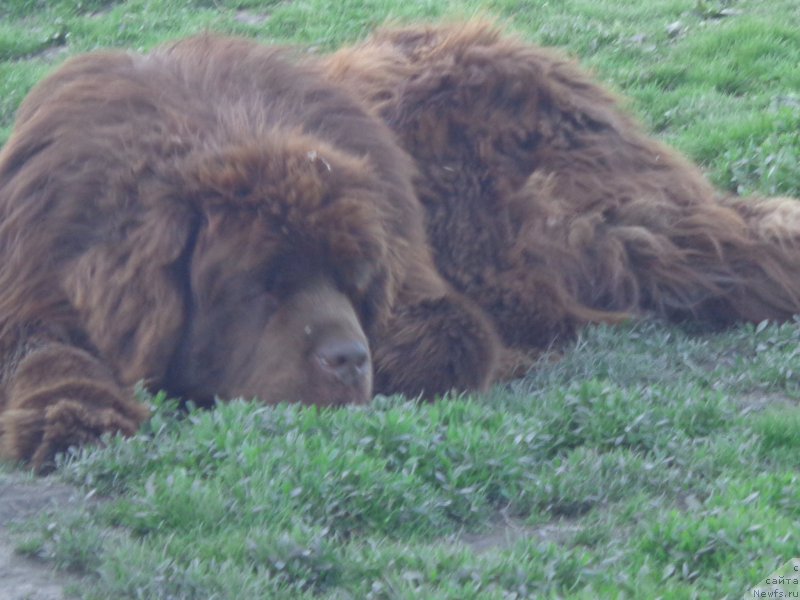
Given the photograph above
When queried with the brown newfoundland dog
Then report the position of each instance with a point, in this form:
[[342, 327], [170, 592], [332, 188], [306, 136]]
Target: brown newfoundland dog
[[220, 218]]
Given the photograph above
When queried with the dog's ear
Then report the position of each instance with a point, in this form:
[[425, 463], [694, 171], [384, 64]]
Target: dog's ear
[[131, 293]]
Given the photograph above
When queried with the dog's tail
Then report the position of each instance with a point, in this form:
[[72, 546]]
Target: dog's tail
[[718, 261], [769, 265]]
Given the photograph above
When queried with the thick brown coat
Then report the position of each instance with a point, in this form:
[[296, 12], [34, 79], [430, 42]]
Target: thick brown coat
[[549, 206], [222, 218]]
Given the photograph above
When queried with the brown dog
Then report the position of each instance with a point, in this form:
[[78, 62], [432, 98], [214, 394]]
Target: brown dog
[[217, 219]]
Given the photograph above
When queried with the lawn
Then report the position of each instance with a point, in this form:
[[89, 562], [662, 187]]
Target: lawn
[[648, 461]]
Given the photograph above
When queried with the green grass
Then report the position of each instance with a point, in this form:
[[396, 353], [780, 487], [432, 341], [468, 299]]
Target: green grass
[[647, 462]]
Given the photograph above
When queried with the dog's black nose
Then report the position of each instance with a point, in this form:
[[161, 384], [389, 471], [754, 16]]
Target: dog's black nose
[[346, 360]]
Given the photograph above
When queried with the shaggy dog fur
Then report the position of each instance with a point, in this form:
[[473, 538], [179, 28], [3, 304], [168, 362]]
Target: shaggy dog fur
[[219, 218], [213, 219], [550, 207]]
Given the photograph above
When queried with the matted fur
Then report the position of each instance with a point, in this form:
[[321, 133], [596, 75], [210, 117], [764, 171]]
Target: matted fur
[[216, 216], [549, 206], [214, 219]]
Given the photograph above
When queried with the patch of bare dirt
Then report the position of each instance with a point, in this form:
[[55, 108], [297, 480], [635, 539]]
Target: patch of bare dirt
[[505, 532], [22, 498], [757, 402], [251, 18]]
